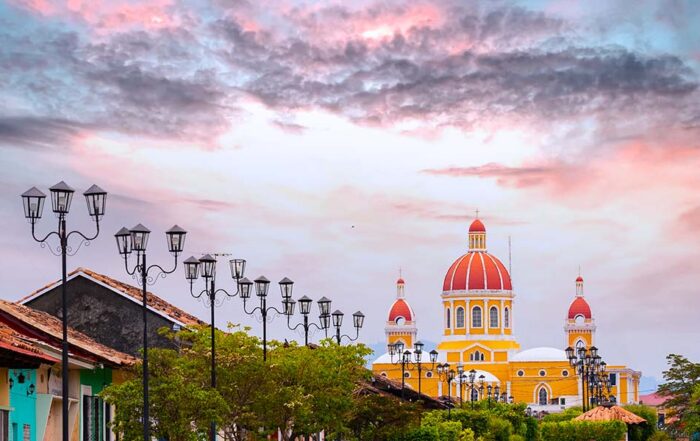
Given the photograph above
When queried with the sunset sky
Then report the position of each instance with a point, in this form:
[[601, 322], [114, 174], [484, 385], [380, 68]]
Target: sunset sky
[[336, 142]]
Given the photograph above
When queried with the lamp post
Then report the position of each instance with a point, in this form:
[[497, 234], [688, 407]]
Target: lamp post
[[61, 197], [460, 378], [591, 369], [262, 285], [208, 266], [447, 375], [405, 360], [489, 388], [136, 240], [481, 386], [358, 319], [472, 377], [305, 309]]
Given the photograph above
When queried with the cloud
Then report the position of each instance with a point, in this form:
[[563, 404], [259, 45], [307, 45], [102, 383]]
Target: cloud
[[526, 176], [37, 133]]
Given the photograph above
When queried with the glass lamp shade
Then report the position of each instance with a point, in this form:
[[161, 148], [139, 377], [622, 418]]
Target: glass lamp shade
[[33, 201], [286, 286], [603, 366], [244, 286], [61, 197], [472, 376], [305, 305], [325, 320], [358, 319], [289, 306], [399, 347], [481, 379], [96, 199], [139, 237], [176, 239], [391, 349], [324, 306], [417, 356], [208, 266], [460, 368], [451, 374], [261, 286], [338, 318], [191, 268], [569, 352], [440, 369], [594, 351], [406, 356], [123, 237], [581, 352], [433, 356], [418, 346], [237, 268], [497, 391]]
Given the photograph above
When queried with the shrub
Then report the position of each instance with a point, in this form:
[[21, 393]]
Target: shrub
[[583, 431], [515, 437], [568, 415], [660, 435], [642, 432], [498, 429]]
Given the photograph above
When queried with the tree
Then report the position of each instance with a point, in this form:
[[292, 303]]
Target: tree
[[379, 417], [644, 431], [181, 405], [681, 380]]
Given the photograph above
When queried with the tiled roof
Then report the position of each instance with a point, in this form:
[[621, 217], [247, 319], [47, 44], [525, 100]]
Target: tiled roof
[[14, 341], [154, 302], [612, 413], [653, 399], [48, 325]]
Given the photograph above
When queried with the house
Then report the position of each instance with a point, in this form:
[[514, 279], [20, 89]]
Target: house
[[31, 384], [110, 311]]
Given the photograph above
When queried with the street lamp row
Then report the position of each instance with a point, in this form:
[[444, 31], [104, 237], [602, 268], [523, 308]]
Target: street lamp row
[[595, 381], [405, 360], [448, 375]]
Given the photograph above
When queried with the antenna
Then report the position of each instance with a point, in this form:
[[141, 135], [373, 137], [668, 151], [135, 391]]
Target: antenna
[[510, 269]]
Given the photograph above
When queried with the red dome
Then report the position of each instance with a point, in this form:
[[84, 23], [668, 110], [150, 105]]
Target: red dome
[[579, 279], [477, 227], [400, 308], [477, 270], [580, 307], [400, 281]]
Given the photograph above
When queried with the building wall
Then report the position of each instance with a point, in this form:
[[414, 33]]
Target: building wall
[[104, 315], [23, 404]]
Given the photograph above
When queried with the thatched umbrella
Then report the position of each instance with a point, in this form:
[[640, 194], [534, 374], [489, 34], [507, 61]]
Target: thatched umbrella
[[611, 413]]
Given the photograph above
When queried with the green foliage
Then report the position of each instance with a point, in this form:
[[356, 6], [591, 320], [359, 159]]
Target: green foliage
[[379, 417], [568, 415], [583, 431], [516, 437], [642, 432], [660, 435], [681, 380], [498, 429]]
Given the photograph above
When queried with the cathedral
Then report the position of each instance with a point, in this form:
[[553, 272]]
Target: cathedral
[[478, 316]]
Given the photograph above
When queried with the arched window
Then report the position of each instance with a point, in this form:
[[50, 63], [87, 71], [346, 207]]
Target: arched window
[[449, 322], [542, 396], [476, 317], [475, 394], [459, 317], [506, 317], [476, 356], [493, 317], [580, 344]]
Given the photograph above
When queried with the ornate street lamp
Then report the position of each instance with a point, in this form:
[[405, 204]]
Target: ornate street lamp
[[405, 360], [61, 197], [590, 367], [305, 309], [447, 375], [135, 241], [472, 377], [208, 267], [262, 285], [358, 319]]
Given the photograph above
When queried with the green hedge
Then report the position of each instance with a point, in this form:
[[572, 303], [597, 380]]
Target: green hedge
[[583, 431], [644, 431]]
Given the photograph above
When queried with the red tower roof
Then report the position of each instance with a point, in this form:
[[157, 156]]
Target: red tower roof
[[400, 281], [579, 279], [579, 307], [477, 227], [477, 270], [401, 308]]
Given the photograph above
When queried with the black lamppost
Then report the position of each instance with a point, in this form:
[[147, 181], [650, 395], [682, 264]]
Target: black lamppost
[[489, 388], [136, 239], [324, 305], [447, 375], [262, 285], [471, 377], [481, 386], [358, 319], [61, 196], [591, 369], [208, 264], [460, 378], [405, 360]]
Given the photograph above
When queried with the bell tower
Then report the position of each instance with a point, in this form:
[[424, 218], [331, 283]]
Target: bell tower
[[401, 324], [579, 324]]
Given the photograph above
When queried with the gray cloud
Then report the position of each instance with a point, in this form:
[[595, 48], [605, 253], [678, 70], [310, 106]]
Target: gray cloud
[[37, 133]]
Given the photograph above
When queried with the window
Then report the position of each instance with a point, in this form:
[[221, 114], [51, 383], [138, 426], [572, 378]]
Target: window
[[564, 373], [4, 425], [542, 396], [26, 432], [383, 374], [475, 394], [92, 418], [521, 373], [449, 325], [400, 321], [580, 344], [543, 373], [429, 374], [476, 356], [506, 317], [476, 317], [407, 375], [613, 380], [459, 317], [493, 317]]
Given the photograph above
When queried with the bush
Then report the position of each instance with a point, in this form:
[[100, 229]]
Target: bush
[[568, 415], [498, 429], [516, 438], [644, 431], [583, 431], [660, 435]]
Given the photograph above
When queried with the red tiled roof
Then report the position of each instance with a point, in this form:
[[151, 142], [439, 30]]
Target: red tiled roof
[[579, 307], [400, 308], [477, 270], [653, 399], [613, 413], [13, 341], [477, 227], [154, 302], [50, 327]]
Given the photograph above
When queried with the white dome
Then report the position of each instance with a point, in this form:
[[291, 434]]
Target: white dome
[[540, 354]]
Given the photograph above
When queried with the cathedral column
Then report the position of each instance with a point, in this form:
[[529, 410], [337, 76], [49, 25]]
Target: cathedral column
[[453, 317], [467, 316], [501, 313]]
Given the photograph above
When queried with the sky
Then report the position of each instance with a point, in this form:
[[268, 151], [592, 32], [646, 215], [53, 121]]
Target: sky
[[338, 142]]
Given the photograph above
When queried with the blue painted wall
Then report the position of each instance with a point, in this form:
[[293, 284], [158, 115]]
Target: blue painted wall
[[23, 404]]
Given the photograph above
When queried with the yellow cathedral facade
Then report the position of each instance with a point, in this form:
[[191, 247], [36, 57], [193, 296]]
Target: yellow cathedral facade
[[478, 312]]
